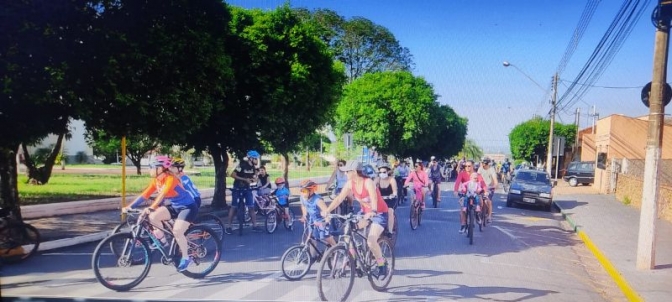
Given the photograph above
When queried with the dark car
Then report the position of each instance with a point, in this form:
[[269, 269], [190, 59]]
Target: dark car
[[531, 187], [580, 172]]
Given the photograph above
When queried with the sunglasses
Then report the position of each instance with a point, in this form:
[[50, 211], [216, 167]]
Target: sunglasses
[[305, 191], [340, 165], [469, 166]]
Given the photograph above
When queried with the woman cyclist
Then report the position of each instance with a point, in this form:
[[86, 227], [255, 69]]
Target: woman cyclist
[[420, 182], [363, 189], [388, 189], [182, 207]]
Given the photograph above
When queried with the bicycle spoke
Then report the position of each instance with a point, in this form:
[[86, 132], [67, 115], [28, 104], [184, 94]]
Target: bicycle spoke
[[121, 262]]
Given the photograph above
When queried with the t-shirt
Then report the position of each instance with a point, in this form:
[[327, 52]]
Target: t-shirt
[[283, 196], [489, 175], [506, 167], [313, 211], [243, 170]]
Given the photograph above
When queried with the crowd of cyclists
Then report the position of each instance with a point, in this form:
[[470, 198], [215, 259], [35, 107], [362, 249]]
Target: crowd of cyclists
[[375, 191]]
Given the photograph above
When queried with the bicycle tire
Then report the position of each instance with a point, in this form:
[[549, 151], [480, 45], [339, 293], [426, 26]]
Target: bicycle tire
[[240, 214], [414, 219], [300, 255], [102, 258], [470, 226], [388, 253], [420, 210], [435, 195], [202, 241], [213, 222], [23, 242], [342, 266], [271, 222], [289, 222]]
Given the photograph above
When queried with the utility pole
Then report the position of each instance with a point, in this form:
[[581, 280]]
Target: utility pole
[[646, 244], [577, 122], [549, 154]]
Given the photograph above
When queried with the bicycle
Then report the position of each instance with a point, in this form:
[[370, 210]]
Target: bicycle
[[435, 193], [416, 210], [471, 215], [277, 214], [350, 256], [506, 182], [122, 260], [261, 202], [403, 192], [18, 240], [297, 260], [243, 213], [395, 226]]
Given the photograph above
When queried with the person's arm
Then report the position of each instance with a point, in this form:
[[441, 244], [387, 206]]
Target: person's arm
[[458, 182], [373, 194], [144, 196], [409, 178], [341, 196], [167, 187], [234, 175], [496, 181], [332, 178], [322, 205], [304, 212], [394, 187]]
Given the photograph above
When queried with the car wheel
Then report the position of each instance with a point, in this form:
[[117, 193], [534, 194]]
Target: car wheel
[[549, 207], [509, 203], [585, 183], [573, 182]]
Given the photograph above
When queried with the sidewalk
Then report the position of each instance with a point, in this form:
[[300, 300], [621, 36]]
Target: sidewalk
[[613, 229]]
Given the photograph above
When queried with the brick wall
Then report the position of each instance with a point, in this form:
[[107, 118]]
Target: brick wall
[[629, 188]]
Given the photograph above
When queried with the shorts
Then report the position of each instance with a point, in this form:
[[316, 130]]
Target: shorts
[[465, 202], [380, 219], [320, 230], [391, 202], [242, 193], [198, 201], [187, 213]]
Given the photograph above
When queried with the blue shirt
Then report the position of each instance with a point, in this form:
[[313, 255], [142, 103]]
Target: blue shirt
[[283, 195], [506, 167], [314, 212], [189, 186]]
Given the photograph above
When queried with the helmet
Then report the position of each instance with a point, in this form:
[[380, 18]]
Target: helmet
[[253, 154], [160, 161], [368, 171], [309, 184], [486, 160], [279, 180], [386, 166], [506, 160], [178, 162]]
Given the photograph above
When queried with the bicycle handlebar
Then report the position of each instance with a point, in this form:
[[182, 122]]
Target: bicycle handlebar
[[351, 216]]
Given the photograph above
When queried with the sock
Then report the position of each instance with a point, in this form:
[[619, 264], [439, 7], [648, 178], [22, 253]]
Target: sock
[[381, 261]]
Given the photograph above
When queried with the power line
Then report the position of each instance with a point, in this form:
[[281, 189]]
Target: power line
[[608, 87]]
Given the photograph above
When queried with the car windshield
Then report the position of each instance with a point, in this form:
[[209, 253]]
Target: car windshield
[[532, 177]]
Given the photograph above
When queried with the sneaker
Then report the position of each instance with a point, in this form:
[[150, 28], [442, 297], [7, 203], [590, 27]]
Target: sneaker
[[382, 271], [257, 229], [478, 218], [228, 231], [184, 263], [463, 229], [489, 220]]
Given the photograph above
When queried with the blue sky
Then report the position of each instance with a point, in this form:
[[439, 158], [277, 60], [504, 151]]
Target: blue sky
[[459, 47]]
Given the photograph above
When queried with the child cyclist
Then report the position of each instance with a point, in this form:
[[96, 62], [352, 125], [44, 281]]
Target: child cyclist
[[473, 189], [282, 193], [312, 206], [179, 164], [182, 208]]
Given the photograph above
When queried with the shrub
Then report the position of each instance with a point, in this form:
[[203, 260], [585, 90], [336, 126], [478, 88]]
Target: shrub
[[81, 157]]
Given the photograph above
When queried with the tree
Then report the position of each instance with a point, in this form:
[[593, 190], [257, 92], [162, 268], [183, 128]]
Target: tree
[[471, 150], [530, 138], [136, 146], [451, 131]]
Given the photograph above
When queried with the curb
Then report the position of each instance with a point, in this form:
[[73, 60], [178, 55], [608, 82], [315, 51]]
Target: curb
[[615, 275]]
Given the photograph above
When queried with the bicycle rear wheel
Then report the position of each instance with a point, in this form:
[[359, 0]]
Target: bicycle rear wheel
[[205, 250], [271, 221], [415, 218], [296, 262], [388, 253], [124, 269], [435, 194], [336, 274], [19, 242], [213, 222], [470, 225]]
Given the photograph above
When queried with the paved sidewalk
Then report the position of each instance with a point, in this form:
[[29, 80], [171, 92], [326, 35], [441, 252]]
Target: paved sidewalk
[[614, 229]]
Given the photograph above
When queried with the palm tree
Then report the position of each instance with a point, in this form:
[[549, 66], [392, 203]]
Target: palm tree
[[471, 150]]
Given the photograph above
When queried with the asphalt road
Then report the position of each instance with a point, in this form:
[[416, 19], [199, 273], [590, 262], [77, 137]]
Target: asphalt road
[[526, 254]]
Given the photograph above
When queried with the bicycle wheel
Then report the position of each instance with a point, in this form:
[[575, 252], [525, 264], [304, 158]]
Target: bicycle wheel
[[205, 250], [414, 215], [420, 210], [213, 222], [241, 213], [435, 194], [20, 241], [127, 269], [388, 253], [470, 225], [296, 262], [271, 221], [289, 220], [335, 283]]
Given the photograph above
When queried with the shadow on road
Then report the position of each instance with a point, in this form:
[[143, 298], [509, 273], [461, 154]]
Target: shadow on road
[[415, 292]]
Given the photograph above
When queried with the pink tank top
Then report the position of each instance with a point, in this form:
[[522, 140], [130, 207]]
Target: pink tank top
[[365, 201]]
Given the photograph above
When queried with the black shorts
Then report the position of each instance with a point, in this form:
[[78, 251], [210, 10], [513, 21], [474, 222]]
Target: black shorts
[[187, 213]]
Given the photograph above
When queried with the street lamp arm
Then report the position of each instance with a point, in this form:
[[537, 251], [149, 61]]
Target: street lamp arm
[[507, 64]]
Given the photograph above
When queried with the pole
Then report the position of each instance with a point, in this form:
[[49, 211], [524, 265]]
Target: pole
[[549, 156], [576, 137], [123, 176], [646, 243], [557, 156]]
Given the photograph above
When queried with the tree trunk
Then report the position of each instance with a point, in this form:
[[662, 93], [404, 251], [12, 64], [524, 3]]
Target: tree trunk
[[221, 160], [42, 174], [9, 190], [285, 169], [307, 160]]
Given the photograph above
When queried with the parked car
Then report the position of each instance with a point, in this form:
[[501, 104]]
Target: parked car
[[580, 172], [532, 187]]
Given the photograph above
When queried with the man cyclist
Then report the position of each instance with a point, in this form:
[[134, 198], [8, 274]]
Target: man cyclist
[[490, 178], [182, 206], [435, 178], [505, 170], [244, 175], [400, 174], [463, 177]]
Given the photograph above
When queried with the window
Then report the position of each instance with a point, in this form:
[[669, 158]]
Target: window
[[602, 160]]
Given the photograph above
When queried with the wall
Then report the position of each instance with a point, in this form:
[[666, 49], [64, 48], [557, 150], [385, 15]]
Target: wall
[[629, 190]]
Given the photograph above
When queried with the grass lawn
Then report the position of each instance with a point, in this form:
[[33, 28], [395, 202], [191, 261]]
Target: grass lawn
[[92, 184]]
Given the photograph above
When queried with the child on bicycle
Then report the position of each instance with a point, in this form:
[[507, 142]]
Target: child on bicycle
[[312, 206], [179, 164], [182, 207], [282, 193], [473, 189]]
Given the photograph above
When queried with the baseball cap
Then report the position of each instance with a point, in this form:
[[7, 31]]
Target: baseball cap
[[351, 165]]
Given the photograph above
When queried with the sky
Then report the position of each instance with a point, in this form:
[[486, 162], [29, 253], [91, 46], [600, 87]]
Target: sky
[[459, 46]]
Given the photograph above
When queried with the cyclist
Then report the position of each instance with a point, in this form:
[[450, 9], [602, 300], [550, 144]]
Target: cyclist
[[461, 164], [182, 206], [463, 177], [388, 189], [243, 176], [361, 186], [340, 178], [472, 188], [400, 174], [505, 170], [179, 164], [282, 193], [435, 177], [420, 182], [264, 184], [312, 207], [490, 177]]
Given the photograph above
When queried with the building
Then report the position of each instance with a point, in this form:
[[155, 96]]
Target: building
[[74, 148]]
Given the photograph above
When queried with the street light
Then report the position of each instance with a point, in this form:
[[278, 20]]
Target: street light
[[549, 155]]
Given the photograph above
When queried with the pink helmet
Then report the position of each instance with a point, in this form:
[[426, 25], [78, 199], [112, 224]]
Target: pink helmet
[[161, 161]]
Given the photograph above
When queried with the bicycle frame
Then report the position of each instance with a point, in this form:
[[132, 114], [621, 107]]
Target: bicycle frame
[[142, 227], [352, 238]]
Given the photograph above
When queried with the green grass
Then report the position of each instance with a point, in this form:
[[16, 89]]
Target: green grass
[[626, 200], [70, 187]]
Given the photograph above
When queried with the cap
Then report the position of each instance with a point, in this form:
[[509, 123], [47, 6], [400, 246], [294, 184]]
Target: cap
[[351, 165]]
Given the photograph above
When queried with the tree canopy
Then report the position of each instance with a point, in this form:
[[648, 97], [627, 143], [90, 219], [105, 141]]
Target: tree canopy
[[530, 138]]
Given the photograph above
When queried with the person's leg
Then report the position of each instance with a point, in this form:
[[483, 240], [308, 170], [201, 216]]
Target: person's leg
[[156, 218], [235, 199], [249, 203], [184, 218], [390, 222]]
